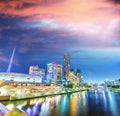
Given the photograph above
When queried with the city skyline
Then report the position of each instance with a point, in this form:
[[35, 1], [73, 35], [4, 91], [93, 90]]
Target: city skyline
[[42, 31]]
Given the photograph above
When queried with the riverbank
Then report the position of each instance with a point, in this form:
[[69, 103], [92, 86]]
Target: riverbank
[[115, 90], [37, 95]]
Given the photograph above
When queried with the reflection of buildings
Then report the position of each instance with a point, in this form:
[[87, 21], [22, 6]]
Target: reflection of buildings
[[54, 71], [35, 70], [66, 64], [74, 105]]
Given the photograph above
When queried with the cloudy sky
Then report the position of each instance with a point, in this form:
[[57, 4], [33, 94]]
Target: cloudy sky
[[43, 30]]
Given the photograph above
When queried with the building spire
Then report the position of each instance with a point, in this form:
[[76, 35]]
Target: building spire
[[11, 60]]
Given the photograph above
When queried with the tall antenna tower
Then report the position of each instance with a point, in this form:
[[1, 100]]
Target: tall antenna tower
[[11, 60]]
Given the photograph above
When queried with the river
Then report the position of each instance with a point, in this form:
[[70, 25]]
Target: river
[[76, 104]]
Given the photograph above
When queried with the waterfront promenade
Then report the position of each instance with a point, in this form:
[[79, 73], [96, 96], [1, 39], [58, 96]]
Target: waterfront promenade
[[37, 95], [6, 112]]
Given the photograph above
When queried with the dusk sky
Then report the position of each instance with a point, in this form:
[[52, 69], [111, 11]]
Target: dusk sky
[[43, 30]]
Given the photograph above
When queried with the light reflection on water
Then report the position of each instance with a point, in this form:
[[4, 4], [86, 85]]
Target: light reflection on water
[[95, 103], [113, 105]]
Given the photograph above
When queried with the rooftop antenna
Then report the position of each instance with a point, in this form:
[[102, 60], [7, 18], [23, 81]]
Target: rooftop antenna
[[11, 60]]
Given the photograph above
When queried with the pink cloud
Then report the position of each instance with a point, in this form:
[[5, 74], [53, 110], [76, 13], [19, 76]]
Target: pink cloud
[[96, 21]]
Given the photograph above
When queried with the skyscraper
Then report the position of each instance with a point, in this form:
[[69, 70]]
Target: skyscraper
[[78, 73], [73, 78], [59, 72], [54, 71], [66, 64]]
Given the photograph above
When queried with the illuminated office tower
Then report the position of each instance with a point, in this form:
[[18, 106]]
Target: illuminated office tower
[[54, 71], [59, 72], [66, 64], [35, 70], [73, 78], [78, 74]]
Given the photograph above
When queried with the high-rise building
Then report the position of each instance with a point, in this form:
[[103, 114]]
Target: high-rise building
[[73, 78], [66, 64], [54, 71], [59, 72], [35, 70], [78, 73]]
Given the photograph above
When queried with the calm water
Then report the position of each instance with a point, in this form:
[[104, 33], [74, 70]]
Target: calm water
[[76, 104]]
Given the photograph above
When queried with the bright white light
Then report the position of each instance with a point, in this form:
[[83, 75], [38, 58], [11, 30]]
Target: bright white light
[[10, 106]]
